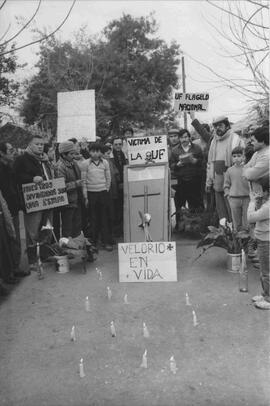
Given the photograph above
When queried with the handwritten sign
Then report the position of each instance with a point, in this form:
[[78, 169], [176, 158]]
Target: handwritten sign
[[191, 101], [45, 195], [147, 149], [76, 115], [147, 262]]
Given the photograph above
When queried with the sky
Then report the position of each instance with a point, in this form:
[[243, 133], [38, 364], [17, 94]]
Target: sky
[[186, 21]]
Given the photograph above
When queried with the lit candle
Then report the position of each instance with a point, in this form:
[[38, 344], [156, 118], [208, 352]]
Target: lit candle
[[173, 368], [144, 360], [82, 374], [109, 293], [187, 300], [145, 331], [113, 331], [87, 304], [72, 334], [195, 321]]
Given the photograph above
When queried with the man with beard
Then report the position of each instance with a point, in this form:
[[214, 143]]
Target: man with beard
[[33, 167], [219, 160]]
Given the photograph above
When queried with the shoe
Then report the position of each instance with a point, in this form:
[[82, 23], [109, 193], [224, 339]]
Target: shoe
[[108, 247], [264, 305], [257, 298], [11, 280], [21, 274]]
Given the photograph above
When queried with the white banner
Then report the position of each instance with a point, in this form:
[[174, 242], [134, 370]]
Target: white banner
[[76, 115], [191, 102], [152, 149], [45, 195], [147, 262]]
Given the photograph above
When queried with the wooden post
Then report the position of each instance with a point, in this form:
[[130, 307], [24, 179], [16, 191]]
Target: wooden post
[[184, 88]]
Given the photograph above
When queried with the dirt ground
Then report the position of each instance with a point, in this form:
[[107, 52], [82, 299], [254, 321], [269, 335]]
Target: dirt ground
[[223, 361]]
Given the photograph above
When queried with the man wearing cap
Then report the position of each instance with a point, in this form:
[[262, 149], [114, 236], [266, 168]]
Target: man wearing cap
[[68, 169], [219, 160]]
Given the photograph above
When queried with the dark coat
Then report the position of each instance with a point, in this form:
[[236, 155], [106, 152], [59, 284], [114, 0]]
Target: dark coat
[[120, 161], [9, 188], [26, 167], [189, 170], [71, 173]]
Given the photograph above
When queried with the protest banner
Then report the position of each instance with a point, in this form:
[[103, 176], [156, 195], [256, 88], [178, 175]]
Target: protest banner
[[152, 149], [76, 115], [147, 262], [45, 195], [191, 102]]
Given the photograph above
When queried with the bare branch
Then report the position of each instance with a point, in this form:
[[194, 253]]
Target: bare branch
[[258, 4], [2, 5], [235, 15], [24, 27], [44, 38], [5, 33]]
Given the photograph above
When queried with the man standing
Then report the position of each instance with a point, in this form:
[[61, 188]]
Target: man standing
[[9, 191], [120, 161], [257, 169], [219, 160], [186, 164], [31, 167], [173, 140]]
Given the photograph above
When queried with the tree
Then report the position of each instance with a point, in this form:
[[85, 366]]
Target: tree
[[243, 36], [8, 86], [132, 71]]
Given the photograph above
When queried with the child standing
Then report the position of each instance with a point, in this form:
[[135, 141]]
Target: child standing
[[96, 184], [236, 189], [262, 234]]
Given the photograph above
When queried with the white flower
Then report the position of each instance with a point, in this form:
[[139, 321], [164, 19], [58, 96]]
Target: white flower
[[223, 222], [63, 241]]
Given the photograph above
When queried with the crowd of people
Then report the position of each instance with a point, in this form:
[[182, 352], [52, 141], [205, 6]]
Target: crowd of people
[[219, 162]]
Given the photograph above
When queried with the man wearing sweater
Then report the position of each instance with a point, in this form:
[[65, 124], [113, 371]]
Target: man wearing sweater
[[219, 160], [258, 167], [236, 190], [96, 179]]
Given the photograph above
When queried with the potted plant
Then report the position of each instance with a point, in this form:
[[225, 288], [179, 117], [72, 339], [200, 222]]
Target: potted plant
[[226, 237]]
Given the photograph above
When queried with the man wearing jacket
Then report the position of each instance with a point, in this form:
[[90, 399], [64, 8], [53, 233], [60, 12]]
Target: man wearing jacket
[[186, 164], [31, 167], [219, 160], [68, 169]]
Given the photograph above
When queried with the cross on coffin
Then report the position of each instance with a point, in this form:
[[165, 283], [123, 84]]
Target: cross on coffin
[[145, 196]]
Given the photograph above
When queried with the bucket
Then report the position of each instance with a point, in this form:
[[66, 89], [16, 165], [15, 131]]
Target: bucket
[[233, 262], [62, 264]]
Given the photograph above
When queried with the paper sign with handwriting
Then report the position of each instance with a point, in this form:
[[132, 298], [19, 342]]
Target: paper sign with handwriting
[[149, 149], [45, 195], [147, 262], [191, 101]]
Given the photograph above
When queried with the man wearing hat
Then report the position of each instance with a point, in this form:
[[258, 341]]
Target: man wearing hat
[[68, 169], [219, 160]]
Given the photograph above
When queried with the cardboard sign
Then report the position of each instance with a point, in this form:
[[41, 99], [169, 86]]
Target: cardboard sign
[[45, 195], [152, 149], [191, 101], [147, 262], [76, 115]]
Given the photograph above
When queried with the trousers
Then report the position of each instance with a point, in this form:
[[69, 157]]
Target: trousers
[[263, 253], [32, 224]]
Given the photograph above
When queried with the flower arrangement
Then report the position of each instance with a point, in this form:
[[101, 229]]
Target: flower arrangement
[[225, 237]]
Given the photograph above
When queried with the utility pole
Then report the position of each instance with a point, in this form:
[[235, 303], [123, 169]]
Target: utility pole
[[184, 88]]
